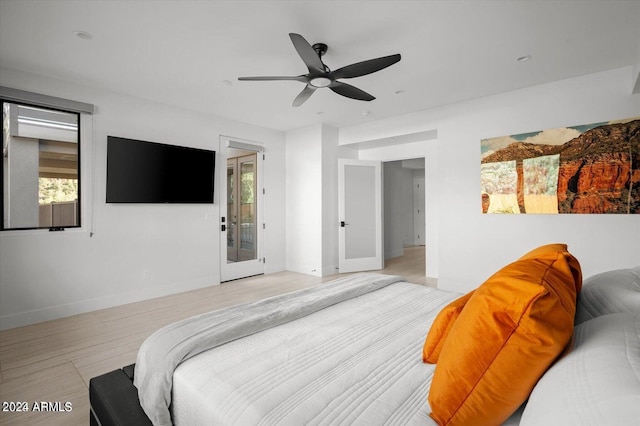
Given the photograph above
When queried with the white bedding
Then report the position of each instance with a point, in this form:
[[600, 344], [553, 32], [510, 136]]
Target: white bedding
[[358, 362], [164, 350], [598, 382]]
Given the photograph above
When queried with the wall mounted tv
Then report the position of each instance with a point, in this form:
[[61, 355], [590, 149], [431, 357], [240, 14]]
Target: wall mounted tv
[[149, 172]]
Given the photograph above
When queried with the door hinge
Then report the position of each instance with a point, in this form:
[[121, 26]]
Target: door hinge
[[263, 157], [263, 191]]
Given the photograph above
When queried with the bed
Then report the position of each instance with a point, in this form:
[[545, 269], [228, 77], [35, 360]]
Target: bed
[[348, 352]]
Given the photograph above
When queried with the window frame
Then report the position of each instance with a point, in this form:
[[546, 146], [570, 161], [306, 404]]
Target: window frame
[[79, 208]]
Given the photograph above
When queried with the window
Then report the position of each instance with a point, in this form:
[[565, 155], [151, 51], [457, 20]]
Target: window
[[40, 167]]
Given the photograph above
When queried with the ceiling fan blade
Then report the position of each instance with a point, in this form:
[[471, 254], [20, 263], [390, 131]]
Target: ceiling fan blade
[[306, 52], [365, 67], [302, 78], [350, 91], [304, 95]]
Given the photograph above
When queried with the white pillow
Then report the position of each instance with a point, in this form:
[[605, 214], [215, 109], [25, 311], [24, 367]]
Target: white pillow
[[608, 293], [597, 383]]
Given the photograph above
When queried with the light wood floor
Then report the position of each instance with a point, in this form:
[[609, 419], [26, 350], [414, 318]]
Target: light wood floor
[[53, 361]]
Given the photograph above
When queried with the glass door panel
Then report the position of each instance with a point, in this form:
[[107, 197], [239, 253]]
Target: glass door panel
[[360, 236], [360, 212], [247, 211], [232, 217], [241, 209]]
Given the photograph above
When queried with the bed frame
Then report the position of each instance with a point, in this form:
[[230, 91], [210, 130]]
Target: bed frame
[[113, 400]]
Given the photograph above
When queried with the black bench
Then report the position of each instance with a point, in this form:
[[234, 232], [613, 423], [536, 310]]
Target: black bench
[[114, 400]]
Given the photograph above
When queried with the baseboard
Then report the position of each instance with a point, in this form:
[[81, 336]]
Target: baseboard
[[330, 270], [432, 282], [89, 305]]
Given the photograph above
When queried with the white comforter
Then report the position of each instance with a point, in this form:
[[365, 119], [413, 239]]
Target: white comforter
[[358, 362], [164, 350]]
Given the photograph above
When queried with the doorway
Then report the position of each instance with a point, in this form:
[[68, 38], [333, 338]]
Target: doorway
[[404, 217], [241, 210], [397, 240]]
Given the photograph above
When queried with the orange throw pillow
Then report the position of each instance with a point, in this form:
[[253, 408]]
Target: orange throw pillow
[[510, 331], [441, 327]]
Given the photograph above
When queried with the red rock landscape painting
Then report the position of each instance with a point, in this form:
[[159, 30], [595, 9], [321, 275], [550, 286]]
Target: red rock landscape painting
[[593, 168]]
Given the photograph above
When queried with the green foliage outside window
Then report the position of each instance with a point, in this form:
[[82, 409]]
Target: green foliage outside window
[[247, 188], [53, 190]]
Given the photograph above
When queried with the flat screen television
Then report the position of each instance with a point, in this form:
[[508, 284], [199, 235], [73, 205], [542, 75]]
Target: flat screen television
[[149, 172]]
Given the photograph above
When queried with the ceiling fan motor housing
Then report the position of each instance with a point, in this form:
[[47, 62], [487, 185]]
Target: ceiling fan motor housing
[[321, 81]]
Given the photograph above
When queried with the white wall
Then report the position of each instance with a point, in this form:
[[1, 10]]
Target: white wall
[[47, 275], [125, 253], [304, 200], [330, 220], [470, 246], [312, 209]]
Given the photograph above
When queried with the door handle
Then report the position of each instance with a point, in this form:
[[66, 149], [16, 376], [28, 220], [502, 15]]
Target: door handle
[[343, 224], [223, 227]]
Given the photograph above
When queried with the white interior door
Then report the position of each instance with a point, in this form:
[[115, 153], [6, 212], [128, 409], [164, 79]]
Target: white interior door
[[360, 213], [241, 210], [419, 217]]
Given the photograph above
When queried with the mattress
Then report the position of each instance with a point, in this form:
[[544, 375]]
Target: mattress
[[356, 362]]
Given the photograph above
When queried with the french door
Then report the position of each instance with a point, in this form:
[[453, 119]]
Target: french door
[[241, 212], [360, 213]]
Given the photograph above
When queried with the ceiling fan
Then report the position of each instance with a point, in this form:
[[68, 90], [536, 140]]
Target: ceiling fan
[[321, 76]]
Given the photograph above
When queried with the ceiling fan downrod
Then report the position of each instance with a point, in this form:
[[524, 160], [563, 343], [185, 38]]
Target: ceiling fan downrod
[[320, 49]]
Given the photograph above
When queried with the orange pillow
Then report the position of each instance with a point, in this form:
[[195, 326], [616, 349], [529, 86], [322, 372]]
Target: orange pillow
[[510, 331], [441, 327]]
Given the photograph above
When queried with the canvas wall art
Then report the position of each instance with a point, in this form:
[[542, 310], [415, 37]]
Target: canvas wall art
[[593, 168]]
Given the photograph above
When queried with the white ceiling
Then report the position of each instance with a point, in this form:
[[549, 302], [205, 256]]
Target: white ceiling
[[182, 52]]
